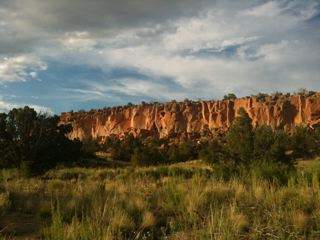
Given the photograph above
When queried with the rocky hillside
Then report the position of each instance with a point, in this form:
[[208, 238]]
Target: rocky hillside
[[186, 117]]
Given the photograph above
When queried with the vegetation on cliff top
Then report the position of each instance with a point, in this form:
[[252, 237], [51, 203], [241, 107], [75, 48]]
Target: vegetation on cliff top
[[262, 97]]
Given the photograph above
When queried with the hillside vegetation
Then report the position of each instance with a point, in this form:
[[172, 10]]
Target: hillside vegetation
[[248, 183]]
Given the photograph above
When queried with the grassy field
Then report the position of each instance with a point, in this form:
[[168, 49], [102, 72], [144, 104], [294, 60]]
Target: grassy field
[[181, 201]]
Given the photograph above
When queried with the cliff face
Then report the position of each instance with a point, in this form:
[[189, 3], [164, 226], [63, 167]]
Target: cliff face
[[187, 117]]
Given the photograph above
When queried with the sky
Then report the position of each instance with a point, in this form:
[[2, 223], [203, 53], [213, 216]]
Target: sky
[[58, 55]]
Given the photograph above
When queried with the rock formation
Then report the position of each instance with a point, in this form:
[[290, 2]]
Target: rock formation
[[190, 116]]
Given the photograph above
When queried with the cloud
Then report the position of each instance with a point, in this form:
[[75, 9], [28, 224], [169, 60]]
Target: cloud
[[269, 9], [210, 30], [40, 22], [209, 54], [137, 87], [262, 57], [20, 68], [81, 41], [82, 14], [7, 106], [110, 52]]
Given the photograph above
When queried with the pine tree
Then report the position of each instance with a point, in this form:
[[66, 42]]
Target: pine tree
[[240, 138]]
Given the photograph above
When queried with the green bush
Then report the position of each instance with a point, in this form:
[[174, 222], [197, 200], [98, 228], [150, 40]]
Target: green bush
[[35, 142], [281, 150], [263, 150], [147, 155], [121, 149], [304, 142], [90, 147], [272, 146], [240, 138], [214, 152], [261, 97], [184, 151], [264, 138], [230, 96], [271, 171], [317, 140]]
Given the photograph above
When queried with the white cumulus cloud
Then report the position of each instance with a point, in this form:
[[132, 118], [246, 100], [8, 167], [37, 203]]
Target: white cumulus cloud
[[20, 68]]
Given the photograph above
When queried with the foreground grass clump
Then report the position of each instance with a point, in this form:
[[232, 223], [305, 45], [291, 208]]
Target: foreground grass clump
[[181, 201]]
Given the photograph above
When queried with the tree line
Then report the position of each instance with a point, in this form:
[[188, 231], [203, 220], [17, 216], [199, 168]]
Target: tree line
[[36, 142], [242, 146]]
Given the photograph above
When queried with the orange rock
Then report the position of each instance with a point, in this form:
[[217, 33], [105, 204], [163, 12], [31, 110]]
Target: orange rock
[[188, 117]]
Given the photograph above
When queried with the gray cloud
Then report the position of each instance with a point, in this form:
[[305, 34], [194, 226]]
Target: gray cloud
[[207, 48], [96, 14], [28, 23]]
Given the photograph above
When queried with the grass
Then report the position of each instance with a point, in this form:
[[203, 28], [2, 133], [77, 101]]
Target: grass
[[180, 201]]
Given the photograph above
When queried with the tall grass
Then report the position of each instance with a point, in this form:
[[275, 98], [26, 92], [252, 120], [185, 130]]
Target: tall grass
[[182, 201]]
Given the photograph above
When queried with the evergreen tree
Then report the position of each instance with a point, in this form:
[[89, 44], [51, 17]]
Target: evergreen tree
[[35, 141], [264, 138], [240, 138], [303, 142]]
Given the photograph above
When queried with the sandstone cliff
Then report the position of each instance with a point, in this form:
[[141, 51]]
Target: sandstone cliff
[[188, 117]]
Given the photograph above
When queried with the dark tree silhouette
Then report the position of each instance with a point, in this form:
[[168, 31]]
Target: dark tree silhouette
[[35, 141], [240, 137], [230, 96]]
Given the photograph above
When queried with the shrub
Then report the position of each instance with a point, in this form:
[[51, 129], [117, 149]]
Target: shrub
[[121, 149], [304, 143], [184, 151], [261, 97], [305, 92], [272, 146], [147, 155], [271, 171], [240, 138], [173, 155], [90, 147], [214, 152], [264, 138], [246, 148], [34, 141], [4, 202], [317, 140], [230, 96], [280, 150]]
